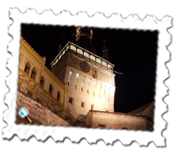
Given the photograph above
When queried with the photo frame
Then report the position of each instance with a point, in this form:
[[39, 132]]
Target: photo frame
[[48, 137]]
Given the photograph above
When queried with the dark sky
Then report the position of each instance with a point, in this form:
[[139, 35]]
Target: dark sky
[[133, 52]]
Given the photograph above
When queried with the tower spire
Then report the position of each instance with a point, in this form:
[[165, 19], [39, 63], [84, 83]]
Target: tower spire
[[104, 50], [84, 38], [61, 44]]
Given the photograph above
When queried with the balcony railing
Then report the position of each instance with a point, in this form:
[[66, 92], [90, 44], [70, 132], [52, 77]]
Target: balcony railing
[[84, 52]]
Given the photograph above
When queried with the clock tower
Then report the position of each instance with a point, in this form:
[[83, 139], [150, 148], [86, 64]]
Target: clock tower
[[89, 78]]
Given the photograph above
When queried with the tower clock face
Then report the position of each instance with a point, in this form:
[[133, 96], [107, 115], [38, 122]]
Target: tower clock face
[[84, 66]]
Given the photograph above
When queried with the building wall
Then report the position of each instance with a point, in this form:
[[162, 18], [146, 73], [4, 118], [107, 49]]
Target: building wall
[[100, 97], [39, 112], [27, 54], [97, 119]]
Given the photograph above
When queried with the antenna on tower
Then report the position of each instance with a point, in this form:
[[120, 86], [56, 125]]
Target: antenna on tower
[[61, 44], [118, 72]]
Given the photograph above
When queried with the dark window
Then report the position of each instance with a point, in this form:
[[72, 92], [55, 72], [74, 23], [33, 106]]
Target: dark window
[[38, 100], [82, 104], [124, 128], [102, 125], [41, 81], [27, 68], [75, 86], [88, 91], [58, 95], [81, 88], [70, 100], [29, 94], [33, 74], [50, 89]]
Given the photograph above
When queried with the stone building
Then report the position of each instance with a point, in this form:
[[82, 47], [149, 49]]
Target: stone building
[[79, 90], [88, 77]]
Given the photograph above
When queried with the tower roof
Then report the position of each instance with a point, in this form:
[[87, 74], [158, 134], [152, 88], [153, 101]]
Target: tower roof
[[84, 38], [104, 49]]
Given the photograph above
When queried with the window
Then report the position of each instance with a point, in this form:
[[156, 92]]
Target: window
[[41, 81], [125, 128], [58, 96], [82, 104], [82, 83], [33, 74], [105, 91], [38, 100], [102, 125], [71, 100], [94, 94], [88, 86], [27, 68], [29, 94], [69, 78], [100, 89], [77, 78], [109, 93], [95, 86], [89, 82], [95, 83], [50, 89]]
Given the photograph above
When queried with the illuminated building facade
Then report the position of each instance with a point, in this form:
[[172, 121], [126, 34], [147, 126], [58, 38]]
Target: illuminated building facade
[[88, 77], [79, 90]]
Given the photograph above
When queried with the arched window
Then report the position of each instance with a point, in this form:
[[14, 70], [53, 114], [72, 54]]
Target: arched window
[[41, 81], [58, 95], [27, 68], [33, 74], [50, 89]]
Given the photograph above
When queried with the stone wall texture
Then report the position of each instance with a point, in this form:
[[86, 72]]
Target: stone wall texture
[[42, 113]]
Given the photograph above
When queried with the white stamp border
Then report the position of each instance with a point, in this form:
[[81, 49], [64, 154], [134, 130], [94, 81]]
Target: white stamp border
[[76, 134]]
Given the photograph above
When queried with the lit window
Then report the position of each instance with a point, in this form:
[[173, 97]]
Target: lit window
[[95, 83], [95, 86], [77, 78], [88, 86], [89, 82], [27, 68], [100, 89], [82, 83], [29, 94], [58, 95], [41, 81], [50, 89], [70, 76], [109, 93], [71, 100], [33, 74], [105, 91]]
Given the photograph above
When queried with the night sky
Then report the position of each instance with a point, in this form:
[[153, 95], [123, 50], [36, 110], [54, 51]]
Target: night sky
[[133, 52]]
